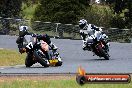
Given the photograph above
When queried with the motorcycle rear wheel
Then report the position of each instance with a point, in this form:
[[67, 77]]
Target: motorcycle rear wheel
[[59, 63]]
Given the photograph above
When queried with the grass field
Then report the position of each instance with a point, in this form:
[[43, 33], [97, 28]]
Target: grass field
[[52, 82], [11, 57]]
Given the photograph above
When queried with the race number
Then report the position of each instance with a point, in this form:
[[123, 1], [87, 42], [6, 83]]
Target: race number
[[30, 45]]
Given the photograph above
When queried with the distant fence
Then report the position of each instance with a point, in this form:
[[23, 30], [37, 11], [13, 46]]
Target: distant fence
[[120, 35], [59, 30], [72, 31]]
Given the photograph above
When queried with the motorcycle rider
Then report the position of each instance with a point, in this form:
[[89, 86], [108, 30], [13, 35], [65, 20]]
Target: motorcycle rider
[[25, 37], [91, 33]]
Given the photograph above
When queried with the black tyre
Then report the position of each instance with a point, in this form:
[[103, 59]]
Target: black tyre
[[103, 53], [40, 60], [58, 63], [29, 60]]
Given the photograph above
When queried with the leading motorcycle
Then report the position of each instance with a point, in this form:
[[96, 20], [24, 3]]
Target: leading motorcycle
[[41, 53]]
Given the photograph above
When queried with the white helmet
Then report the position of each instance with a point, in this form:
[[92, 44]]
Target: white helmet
[[82, 23], [23, 30]]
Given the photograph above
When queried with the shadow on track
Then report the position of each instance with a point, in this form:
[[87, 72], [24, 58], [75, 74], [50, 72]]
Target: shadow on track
[[98, 59]]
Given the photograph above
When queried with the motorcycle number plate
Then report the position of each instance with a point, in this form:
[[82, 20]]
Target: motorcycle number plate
[[53, 61]]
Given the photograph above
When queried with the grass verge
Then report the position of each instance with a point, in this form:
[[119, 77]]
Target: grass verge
[[52, 82], [11, 57]]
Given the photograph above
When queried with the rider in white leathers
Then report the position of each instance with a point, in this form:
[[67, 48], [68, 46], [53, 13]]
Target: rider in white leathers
[[91, 33]]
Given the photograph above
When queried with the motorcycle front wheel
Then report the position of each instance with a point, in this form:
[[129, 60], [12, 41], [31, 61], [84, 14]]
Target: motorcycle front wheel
[[103, 53], [42, 61]]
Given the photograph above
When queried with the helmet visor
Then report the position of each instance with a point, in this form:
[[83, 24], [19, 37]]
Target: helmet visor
[[82, 26]]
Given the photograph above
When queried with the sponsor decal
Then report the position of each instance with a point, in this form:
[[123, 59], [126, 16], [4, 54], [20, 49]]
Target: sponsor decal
[[83, 77]]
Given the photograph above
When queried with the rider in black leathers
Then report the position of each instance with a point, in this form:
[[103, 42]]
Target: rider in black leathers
[[23, 31]]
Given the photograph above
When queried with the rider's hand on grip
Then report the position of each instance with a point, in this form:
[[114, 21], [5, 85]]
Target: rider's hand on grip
[[22, 50]]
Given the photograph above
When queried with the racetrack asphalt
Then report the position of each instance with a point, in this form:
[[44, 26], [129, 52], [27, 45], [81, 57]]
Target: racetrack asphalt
[[73, 56]]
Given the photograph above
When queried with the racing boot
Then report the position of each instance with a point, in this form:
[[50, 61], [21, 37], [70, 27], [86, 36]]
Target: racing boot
[[54, 48], [107, 47], [84, 47]]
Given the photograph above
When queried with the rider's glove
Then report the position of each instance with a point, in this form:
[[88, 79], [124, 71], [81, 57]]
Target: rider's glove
[[22, 50]]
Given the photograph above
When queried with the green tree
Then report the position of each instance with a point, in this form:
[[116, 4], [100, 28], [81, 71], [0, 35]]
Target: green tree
[[128, 14], [9, 8], [63, 11], [122, 13]]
